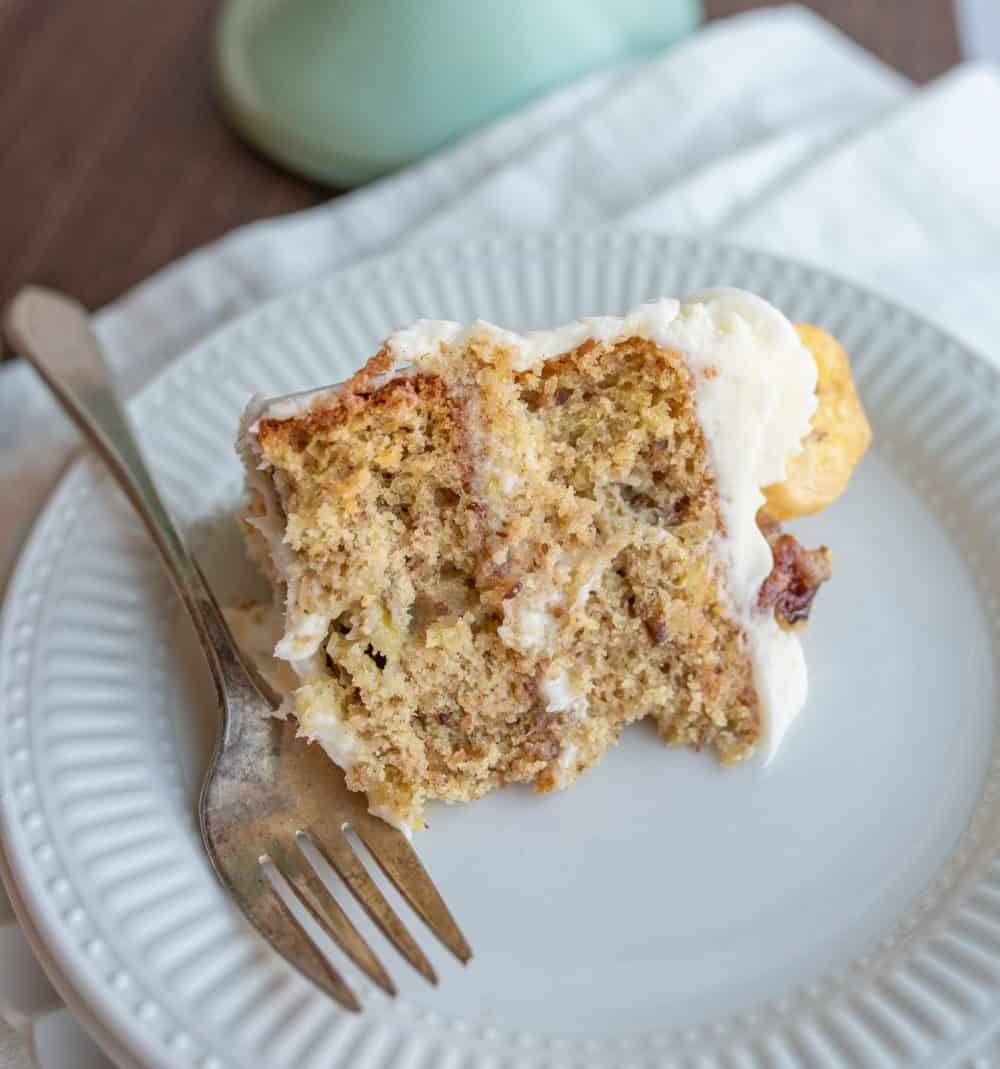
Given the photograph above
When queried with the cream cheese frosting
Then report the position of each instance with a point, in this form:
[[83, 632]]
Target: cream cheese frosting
[[755, 389]]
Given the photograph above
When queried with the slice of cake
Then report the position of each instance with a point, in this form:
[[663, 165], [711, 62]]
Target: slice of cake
[[495, 550]]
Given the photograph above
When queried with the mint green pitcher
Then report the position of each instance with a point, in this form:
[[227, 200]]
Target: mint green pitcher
[[346, 90]]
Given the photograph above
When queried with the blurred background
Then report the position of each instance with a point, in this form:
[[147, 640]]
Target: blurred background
[[116, 158]]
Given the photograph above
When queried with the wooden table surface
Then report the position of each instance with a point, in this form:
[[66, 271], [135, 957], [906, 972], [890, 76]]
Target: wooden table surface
[[115, 159]]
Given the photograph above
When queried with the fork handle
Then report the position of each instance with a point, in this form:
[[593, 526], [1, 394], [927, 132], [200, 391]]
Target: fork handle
[[53, 333]]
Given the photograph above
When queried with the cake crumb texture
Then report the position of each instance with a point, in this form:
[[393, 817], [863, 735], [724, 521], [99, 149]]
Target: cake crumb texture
[[505, 567]]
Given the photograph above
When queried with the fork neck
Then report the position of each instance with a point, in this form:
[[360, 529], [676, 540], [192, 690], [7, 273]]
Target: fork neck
[[53, 333]]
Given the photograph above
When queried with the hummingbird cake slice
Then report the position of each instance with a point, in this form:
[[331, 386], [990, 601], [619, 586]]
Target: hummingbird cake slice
[[492, 551]]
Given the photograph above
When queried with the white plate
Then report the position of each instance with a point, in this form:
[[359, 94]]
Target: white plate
[[839, 908]]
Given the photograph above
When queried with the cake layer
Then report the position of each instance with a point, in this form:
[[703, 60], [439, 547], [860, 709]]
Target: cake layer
[[494, 550]]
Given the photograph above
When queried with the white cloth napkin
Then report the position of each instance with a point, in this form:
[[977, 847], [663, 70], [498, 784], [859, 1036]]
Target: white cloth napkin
[[769, 129]]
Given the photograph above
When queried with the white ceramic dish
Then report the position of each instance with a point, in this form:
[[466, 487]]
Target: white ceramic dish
[[839, 908]]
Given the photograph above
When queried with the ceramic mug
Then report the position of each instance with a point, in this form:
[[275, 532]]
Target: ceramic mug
[[346, 90]]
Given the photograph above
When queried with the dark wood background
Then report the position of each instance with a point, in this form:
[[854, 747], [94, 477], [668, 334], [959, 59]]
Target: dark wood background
[[114, 159]]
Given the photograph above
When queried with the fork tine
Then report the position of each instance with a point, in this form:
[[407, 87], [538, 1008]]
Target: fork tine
[[279, 926], [399, 861], [333, 920], [339, 854]]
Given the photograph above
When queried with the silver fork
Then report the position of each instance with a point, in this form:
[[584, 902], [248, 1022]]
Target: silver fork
[[270, 803]]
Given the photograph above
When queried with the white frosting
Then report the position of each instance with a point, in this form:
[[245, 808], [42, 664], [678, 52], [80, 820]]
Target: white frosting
[[326, 728], [528, 624], [755, 389], [754, 412], [568, 755], [561, 695]]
